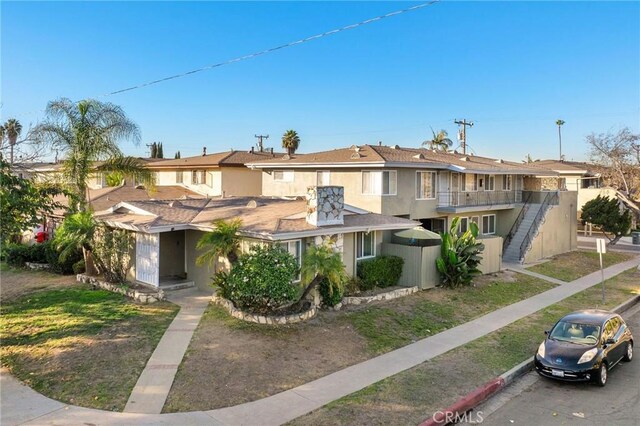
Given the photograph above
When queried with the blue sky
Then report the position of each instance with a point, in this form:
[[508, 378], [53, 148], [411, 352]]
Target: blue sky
[[512, 67]]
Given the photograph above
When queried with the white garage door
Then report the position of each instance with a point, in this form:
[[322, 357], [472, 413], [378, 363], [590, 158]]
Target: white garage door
[[147, 258]]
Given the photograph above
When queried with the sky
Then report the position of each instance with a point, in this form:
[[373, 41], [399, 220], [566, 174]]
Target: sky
[[513, 68]]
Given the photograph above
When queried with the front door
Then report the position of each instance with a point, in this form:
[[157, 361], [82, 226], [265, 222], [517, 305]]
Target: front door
[[147, 258]]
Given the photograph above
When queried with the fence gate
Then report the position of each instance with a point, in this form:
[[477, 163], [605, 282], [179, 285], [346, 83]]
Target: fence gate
[[147, 258]]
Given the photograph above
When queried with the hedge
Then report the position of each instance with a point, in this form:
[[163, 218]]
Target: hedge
[[382, 271]]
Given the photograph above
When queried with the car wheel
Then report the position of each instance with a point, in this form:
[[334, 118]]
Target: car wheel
[[602, 374], [628, 355]]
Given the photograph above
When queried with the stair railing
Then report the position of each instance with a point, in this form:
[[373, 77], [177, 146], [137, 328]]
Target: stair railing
[[551, 197], [516, 224]]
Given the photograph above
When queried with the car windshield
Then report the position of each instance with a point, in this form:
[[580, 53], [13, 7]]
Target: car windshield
[[584, 334]]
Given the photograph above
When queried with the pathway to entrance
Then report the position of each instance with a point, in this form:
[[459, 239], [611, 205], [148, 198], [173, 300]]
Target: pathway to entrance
[[22, 405]]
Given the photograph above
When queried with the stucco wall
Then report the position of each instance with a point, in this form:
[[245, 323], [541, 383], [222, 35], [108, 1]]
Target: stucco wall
[[348, 254], [492, 254], [587, 194], [200, 275], [172, 253], [213, 186], [558, 233], [238, 181]]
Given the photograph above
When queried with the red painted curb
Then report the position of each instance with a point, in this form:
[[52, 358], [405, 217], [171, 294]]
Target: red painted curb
[[464, 404]]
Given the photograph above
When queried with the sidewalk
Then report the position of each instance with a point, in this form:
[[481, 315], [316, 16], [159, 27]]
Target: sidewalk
[[21, 405]]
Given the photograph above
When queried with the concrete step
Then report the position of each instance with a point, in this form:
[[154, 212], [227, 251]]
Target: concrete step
[[177, 286]]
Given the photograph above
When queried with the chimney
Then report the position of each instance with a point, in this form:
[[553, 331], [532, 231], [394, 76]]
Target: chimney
[[271, 149], [325, 205], [252, 149], [204, 151]]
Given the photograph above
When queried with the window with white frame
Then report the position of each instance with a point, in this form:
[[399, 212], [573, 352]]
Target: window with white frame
[[471, 183], [476, 220], [425, 185], [179, 176], [489, 224], [463, 225], [294, 247], [365, 245], [283, 175], [101, 179], [490, 184], [323, 178], [198, 177], [507, 182], [379, 182]]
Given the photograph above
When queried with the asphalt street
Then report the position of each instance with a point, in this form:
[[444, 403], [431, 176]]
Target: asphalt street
[[548, 402]]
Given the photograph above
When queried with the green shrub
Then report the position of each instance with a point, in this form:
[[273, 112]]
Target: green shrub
[[219, 282], [79, 267], [352, 286], [64, 267], [261, 280], [16, 254], [460, 256], [382, 271], [330, 296]]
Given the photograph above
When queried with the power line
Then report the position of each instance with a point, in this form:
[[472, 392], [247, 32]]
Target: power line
[[273, 49]]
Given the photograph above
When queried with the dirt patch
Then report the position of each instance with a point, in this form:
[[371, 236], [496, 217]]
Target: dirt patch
[[18, 282], [230, 362]]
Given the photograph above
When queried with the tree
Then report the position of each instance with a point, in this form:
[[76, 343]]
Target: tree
[[439, 141], [290, 141], [11, 130], [617, 155], [177, 156], [76, 233], [560, 123], [160, 153], [222, 241], [528, 159], [320, 263], [23, 204], [154, 150], [86, 132], [609, 215], [460, 255]]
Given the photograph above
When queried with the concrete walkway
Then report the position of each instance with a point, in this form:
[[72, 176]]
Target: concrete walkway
[[521, 269], [153, 386], [21, 405]]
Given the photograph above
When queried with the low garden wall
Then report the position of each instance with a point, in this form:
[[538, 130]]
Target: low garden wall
[[37, 266], [263, 319], [389, 295], [139, 295]]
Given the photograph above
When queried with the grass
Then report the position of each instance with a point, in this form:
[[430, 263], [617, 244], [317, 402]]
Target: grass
[[386, 327], [411, 396], [576, 264], [81, 346]]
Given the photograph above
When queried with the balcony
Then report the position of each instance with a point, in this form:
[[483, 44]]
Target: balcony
[[461, 201]]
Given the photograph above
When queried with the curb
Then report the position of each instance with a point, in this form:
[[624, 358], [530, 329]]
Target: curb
[[474, 398]]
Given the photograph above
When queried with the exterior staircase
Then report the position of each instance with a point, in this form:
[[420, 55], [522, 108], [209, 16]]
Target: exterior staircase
[[525, 229]]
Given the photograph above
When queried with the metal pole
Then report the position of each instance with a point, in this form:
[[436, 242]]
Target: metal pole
[[602, 272]]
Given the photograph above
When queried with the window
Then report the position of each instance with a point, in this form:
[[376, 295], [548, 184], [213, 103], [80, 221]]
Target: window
[[463, 225], [323, 177], [507, 182], [425, 185], [179, 176], [198, 177], [101, 179], [476, 220], [471, 182], [489, 224], [379, 183], [365, 245], [283, 175], [294, 247], [491, 183]]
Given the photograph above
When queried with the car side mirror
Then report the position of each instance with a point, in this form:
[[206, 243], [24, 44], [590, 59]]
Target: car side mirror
[[546, 332], [609, 341]]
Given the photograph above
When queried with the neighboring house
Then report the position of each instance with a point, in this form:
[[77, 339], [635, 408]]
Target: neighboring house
[[166, 232], [27, 170], [433, 187], [220, 174]]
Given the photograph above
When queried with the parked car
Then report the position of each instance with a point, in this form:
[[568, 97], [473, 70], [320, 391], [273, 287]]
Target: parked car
[[584, 346]]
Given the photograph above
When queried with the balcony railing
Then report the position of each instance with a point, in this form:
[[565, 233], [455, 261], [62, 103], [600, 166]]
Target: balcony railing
[[478, 198]]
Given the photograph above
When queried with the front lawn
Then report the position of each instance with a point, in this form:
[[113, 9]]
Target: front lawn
[[576, 264], [231, 362], [81, 346], [411, 396], [17, 282]]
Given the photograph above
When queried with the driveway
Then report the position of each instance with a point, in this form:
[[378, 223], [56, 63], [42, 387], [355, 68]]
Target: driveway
[[549, 402]]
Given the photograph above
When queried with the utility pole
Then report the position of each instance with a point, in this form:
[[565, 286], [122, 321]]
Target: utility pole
[[559, 123], [463, 138], [260, 137], [149, 145]]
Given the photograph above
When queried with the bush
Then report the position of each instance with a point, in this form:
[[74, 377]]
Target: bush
[[261, 280], [330, 296], [52, 256], [19, 254], [79, 267], [219, 282], [382, 271]]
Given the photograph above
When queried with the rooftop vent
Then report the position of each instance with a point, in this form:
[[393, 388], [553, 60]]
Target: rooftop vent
[[175, 203], [500, 161], [395, 147], [355, 156], [353, 147], [419, 156], [204, 151], [252, 204], [286, 157], [464, 158]]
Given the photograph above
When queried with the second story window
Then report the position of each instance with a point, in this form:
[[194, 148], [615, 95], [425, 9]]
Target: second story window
[[283, 175], [507, 182], [179, 176], [491, 183], [323, 178], [379, 182], [471, 183], [425, 185]]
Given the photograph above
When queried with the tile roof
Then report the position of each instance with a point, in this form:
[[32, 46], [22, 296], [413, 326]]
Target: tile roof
[[228, 158], [559, 166], [261, 216], [387, 155]]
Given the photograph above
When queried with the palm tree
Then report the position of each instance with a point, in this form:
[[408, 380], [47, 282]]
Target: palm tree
[[76, 233], [11, 129], [86, 132], [222, 241], [439, 141], [560, 123], [290, 141], [319, 263]]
